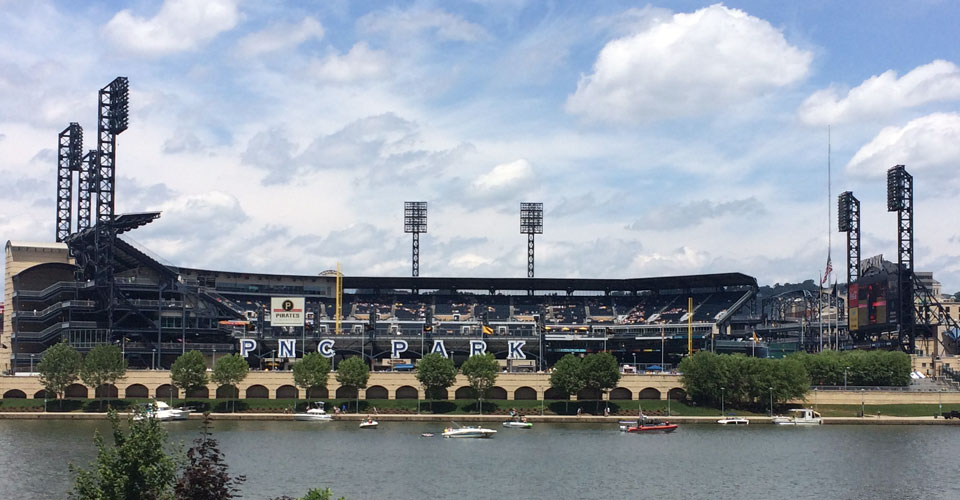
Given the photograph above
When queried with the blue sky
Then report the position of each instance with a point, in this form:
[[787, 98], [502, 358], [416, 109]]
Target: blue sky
[[673, 138]]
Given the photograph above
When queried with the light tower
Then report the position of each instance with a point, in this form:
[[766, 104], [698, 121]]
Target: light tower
[[900, 200], [113, 117], [531, 223], [848, 215], [415, 222], [69, 153]]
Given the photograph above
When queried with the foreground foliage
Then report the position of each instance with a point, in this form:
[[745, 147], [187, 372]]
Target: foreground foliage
[[741, 380], [205, 477]]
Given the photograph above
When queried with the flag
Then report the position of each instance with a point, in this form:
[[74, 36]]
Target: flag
[[755, 337], [487, 330], [826, 272]]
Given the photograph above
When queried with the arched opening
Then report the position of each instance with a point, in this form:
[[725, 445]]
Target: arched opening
[[553, 393], [75, 391], [167, 391], [257, 392], [677, 394], [377, 392], [407, 392], [318, 393], [199, 393], [621, 393], [136, 391], [588, 394], [227, 392], [464, 393], [345, 392], [497, 393], [287, 392], [41, 394], [14, 394], [525, 393], [106, 391], [439, 395], [649, 393]]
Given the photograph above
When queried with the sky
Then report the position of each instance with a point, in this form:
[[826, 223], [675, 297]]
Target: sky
[[663, 139]]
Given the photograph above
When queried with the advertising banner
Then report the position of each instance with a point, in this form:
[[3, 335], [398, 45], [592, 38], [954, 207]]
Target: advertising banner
[[286, 311]]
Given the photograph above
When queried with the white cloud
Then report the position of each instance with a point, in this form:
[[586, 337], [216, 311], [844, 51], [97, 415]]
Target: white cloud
[[688, 64], [505, 176], [178, 26], [882, 94], [279, 36], [677, 216], [361, 63], [469, 261], [929, 145], [405, 23]]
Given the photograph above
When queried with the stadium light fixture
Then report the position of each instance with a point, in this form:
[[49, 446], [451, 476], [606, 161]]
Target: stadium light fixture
[[415, 222], [531, 223]]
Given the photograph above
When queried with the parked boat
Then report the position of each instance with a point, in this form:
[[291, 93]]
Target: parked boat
[[158, 410], [733, 421], [518, 423], [467, 432], [369, 423], [314, 414], [801, 416]]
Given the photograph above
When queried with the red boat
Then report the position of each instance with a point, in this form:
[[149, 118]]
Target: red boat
[[653, 427]]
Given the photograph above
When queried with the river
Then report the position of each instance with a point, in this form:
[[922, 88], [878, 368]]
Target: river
[[550, 461]]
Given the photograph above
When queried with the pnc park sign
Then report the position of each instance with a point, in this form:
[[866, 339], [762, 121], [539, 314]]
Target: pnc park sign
[[287, 348]]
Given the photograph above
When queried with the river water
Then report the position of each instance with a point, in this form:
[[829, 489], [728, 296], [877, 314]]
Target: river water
[[550, 461]]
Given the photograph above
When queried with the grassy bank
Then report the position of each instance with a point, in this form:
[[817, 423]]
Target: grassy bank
[[460, 407]]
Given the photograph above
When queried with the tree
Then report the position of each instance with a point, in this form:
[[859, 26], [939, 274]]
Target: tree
[[567, 376], [313, 494], [205, 477], [104, 364], [601, 372], [353, 372], [231, 370], [436, 373], [59, 368], [189, 372], [311, 371], [136, 466], [481, 372]]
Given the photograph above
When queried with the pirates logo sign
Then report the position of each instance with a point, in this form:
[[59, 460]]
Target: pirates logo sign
[[286, 311]]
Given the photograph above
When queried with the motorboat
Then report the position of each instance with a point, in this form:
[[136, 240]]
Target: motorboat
[[652, 425], [801, 416], [468, 432], [369, 423], [626, 424], [316, 413], [733, 421], [426, 434], [157, 410], [520, 423]]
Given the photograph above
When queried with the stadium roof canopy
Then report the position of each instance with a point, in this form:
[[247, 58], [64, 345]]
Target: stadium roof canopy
[[553, 284]]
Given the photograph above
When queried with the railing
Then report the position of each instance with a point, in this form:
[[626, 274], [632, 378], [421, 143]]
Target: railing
[[75, 285], [54, 308], [56, 328], [887, 388]]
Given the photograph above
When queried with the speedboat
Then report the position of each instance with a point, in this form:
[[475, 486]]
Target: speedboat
[[468, 432], [518, 424], [733, 421], [652, 425], [801, 416], [316, 413], [157, 410], [369, 423]]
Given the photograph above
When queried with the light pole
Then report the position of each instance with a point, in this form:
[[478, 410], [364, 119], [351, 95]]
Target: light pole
[[634, 363], [771, 401], [940, 402], [214, 356], [862, 414], [844, 378], [721, 401], [31, 362], [153, 359]]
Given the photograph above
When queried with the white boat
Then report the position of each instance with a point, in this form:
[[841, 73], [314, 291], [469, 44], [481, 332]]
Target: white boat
[[518, 424], [157, 410], [468, 432], [801, 416], [314, 414], [733, 421], [369, 423]]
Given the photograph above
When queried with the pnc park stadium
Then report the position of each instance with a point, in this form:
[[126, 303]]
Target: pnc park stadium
[[90, 286]]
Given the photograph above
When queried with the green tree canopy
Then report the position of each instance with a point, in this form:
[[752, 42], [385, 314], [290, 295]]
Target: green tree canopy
[[436, 373], [189, 371], [136, 466], [742, 380], [312, 370], [481, 372], [59, 368], [567, 375], [104, 364], [600, 371], [230, 370], [353, 372]]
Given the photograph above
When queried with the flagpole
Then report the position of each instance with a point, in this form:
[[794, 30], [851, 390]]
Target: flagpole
[[820, 311]]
